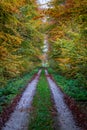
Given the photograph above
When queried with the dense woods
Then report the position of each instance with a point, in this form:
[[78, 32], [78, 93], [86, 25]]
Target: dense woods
[[25, 26], [33, 36], [21, 39], [67, 32]]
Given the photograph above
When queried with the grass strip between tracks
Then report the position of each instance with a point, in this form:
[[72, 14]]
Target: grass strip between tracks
[[41, 117]]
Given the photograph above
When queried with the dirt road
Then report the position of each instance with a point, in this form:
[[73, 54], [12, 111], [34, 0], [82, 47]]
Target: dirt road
[[19, 119]]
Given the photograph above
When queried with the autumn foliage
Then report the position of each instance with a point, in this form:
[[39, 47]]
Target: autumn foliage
[[67, 32], [21, 38]]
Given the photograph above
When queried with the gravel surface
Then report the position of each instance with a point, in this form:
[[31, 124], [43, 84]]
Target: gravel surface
[[65, 117], [19, 119]]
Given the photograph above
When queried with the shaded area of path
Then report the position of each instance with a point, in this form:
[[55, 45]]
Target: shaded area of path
[[65, 117], [19, 119]]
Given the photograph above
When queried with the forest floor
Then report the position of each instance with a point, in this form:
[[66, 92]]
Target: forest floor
[[20, 119]]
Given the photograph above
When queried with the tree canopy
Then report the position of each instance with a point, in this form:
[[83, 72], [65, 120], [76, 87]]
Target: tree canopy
[[21, 38], [67, 31]]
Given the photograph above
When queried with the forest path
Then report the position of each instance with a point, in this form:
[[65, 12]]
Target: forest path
[[19, 119], [65, 117]]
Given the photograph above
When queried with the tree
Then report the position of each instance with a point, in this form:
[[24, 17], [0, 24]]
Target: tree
[[21, 38], [67, 37]]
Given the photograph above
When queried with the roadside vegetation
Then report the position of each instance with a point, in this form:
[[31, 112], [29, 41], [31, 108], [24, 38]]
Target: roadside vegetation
[[21, 41], [67, 33], [13, 88], [71, 87], [21, 38], [41, 117]]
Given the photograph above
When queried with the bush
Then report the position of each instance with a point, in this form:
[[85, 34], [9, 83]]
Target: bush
[[75, 88]]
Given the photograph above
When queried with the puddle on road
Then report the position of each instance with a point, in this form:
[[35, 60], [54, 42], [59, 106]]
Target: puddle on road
[[65, 117]]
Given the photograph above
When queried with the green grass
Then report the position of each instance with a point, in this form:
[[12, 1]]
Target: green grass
[[41, 118], [70, 86], [13, 87]]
